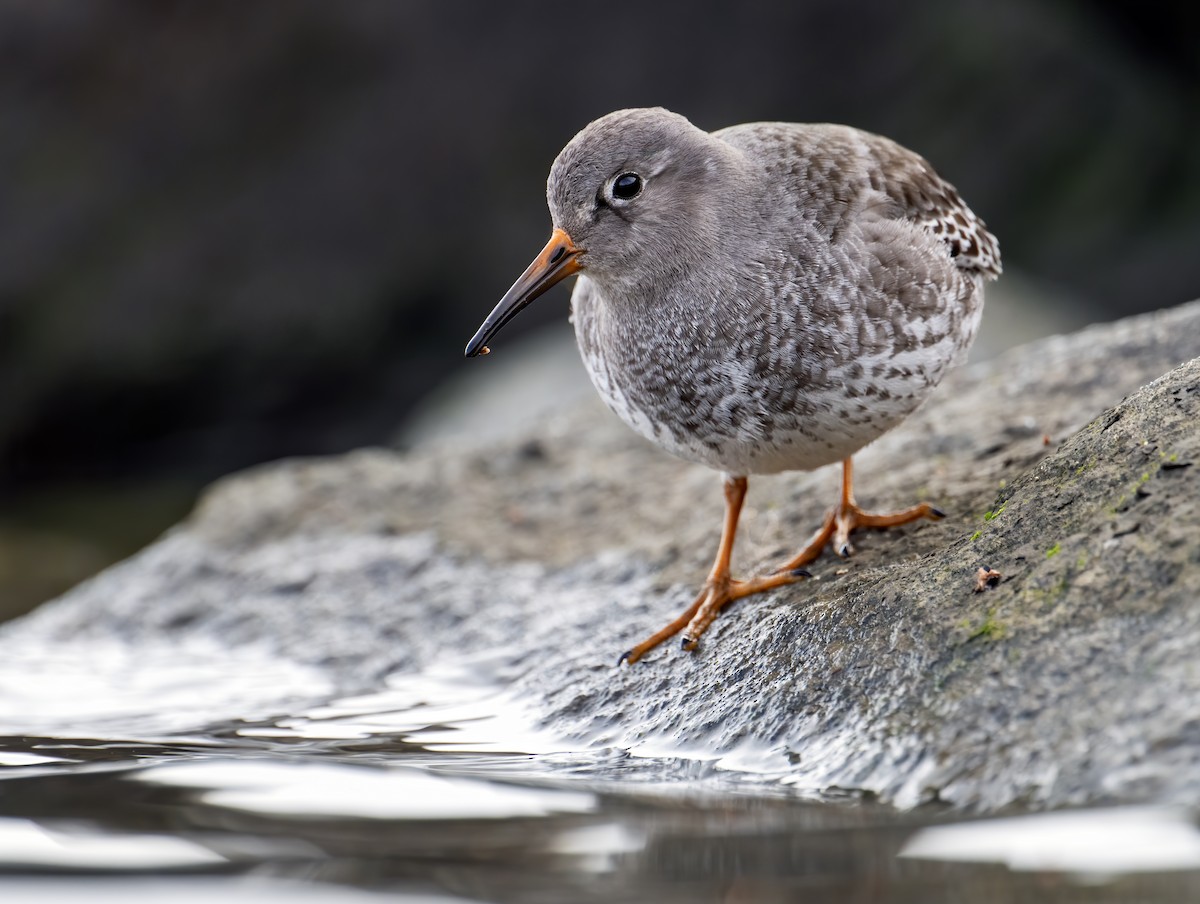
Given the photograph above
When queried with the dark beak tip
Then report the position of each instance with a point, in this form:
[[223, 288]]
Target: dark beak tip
[[475, 348], [559, 259]]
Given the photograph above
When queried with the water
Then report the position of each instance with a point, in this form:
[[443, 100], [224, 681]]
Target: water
[[192, 773]]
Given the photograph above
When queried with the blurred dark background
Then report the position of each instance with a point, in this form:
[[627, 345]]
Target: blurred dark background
[[231, 231]]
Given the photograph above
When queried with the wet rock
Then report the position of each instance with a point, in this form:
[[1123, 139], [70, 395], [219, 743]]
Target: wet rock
[[1070, 466]]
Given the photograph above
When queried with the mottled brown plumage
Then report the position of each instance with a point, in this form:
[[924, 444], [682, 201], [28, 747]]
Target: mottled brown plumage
[[769, 297]]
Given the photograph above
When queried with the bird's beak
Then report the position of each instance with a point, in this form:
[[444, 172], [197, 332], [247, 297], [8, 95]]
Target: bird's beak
[[558, 260]]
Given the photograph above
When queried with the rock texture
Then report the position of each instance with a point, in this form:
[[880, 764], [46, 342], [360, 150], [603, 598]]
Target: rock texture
[[1070, 466]]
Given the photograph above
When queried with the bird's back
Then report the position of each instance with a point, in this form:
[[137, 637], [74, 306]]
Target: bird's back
[[837, 174]]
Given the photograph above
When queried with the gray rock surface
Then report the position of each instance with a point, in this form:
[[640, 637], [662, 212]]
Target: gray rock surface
[[1071, 466]]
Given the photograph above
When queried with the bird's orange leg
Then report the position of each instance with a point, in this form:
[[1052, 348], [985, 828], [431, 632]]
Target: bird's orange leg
[[846, 517], [719, 589]]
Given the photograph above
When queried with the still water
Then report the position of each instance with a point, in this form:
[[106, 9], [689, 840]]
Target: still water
[[196, 774]]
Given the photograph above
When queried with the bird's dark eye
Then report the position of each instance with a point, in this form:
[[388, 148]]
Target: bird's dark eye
[[627, 186]]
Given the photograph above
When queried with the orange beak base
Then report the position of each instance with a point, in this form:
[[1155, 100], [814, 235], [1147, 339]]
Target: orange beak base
[[554, 263]]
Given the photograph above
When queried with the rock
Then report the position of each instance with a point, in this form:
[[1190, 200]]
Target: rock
[[1069, 681]]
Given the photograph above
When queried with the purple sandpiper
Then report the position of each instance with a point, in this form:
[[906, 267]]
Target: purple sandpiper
[[768, 297]]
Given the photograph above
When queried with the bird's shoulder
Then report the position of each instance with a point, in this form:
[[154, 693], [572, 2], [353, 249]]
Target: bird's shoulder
[[835, 172]]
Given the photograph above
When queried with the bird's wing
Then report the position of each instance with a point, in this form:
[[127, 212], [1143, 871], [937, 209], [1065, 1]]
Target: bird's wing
[[835, 172], [931, 202]]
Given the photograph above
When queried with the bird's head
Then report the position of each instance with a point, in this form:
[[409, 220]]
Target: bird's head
[[631, 202]]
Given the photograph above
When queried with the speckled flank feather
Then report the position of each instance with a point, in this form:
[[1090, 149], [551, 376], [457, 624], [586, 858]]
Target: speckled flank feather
[[777, 296]]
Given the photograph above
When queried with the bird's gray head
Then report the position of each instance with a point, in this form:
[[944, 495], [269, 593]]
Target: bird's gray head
[[633, 191], [633, 203]]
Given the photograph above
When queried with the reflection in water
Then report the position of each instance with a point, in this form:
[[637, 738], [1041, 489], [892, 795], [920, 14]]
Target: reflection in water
[[328, 789], [1096, 844], [247, 779], [26, 843], [199, 890]]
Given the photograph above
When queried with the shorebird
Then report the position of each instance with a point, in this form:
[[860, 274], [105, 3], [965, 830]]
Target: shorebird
[[768, 297]]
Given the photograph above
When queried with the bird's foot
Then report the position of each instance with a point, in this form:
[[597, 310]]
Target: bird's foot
[[843, 519], [717, 593]]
